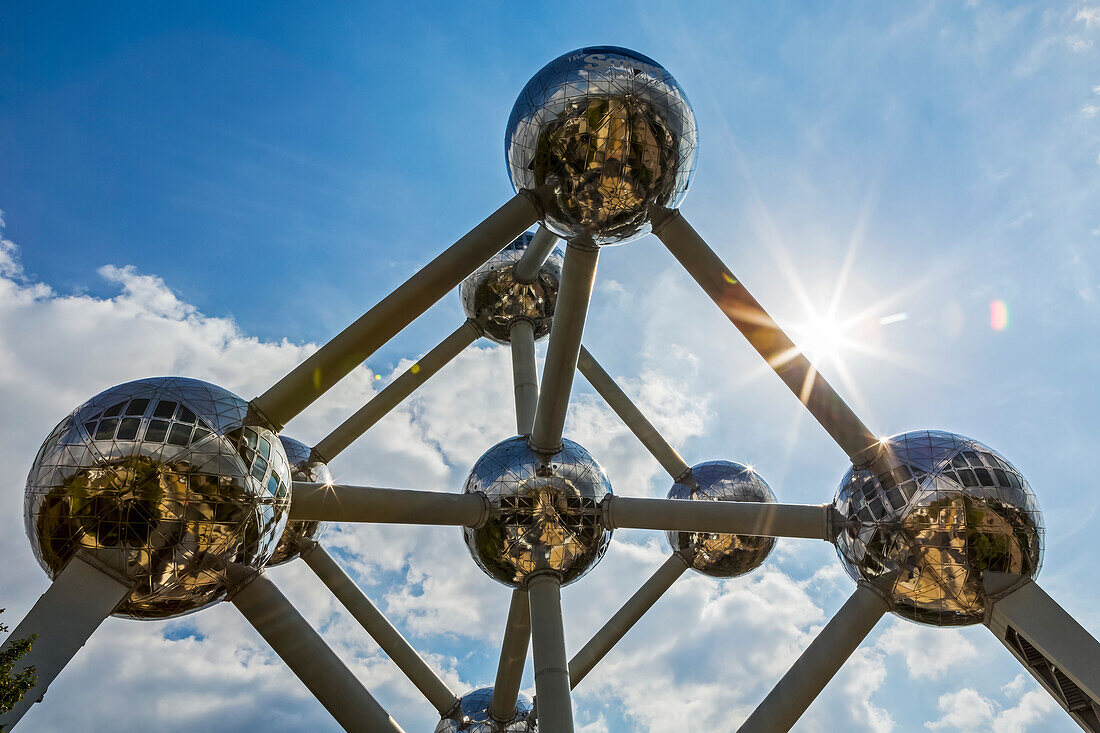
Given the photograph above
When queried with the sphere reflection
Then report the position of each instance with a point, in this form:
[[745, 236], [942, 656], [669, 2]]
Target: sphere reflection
[[721, 555], [164, 481], [544, 511], [473, 716], [300, 534], [492, 296], [947, 509], [614, 134]]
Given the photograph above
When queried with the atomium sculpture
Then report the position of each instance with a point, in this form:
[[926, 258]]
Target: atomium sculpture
[[163, 496]]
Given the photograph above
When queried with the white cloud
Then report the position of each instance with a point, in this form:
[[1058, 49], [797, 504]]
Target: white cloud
[[964, 710], [968, 710], [1089, 15], [929, 653]]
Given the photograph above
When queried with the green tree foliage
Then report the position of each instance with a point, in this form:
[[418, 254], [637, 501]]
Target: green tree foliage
[[13, 686]]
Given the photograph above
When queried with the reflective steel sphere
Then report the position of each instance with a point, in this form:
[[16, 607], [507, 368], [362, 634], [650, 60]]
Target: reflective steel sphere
[[948, 509], [473, 716], [492, 297], [614, 134], [300, 534], [164, 481], [544, 511], [721, 555]]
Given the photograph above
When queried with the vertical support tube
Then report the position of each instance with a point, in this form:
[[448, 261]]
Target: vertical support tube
[[554, 707], [513, 656], [764, 334], [625, 618], [808, 676], [307, 655], [577, 278], [542, 244], [396, 391], [617, 400], [73, 607], [525, 373], [1052, 646], [381, 630], [332, 362]]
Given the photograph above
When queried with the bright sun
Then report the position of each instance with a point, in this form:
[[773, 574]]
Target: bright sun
[[823, 338]]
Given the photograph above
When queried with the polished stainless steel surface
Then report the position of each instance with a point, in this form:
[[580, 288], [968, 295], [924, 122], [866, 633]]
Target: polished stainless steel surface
[[721, 555], [612, 132], [473, 716], [300, 535], [164, 482], [494, 298], [923, 531], [544, 511]]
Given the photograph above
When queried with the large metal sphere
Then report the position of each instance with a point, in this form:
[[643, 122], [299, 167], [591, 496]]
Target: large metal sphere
[[165, 482], [544, 511], [948, 509], [473, 716], [721, 555], [300, 534], [492, 297], [613, 132]]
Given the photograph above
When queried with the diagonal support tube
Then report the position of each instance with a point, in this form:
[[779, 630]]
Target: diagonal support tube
[[513, 657], [808, 676], [339, 503], [73, 607], [808, 521], [577, 278], [743, 310], [525, 374], [553, 705], [311, 660], [542, 244], [614, 396], [332, 362], [396, 391], [381, 630], [624, 619], [1055, 649]]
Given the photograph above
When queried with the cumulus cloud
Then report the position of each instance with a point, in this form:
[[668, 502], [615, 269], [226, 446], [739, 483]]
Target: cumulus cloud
[[928, 652], [967, 710]]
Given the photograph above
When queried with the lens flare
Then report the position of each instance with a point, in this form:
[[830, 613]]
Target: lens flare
[[998, 315]]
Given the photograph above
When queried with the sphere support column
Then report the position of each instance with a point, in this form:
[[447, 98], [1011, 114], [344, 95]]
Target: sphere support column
[[628, 412], [805, 680], [525, 374], [66, 615], [311, 660], [513, 657], [624, 619], [762, 519], [552, 702], [392, 395], [577, 279], [750, 318], [1055, 649], [542, 244], [333, 361], [338, 503], [381, 630]]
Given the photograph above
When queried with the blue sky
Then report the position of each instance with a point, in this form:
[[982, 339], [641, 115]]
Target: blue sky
[[260, 173]]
